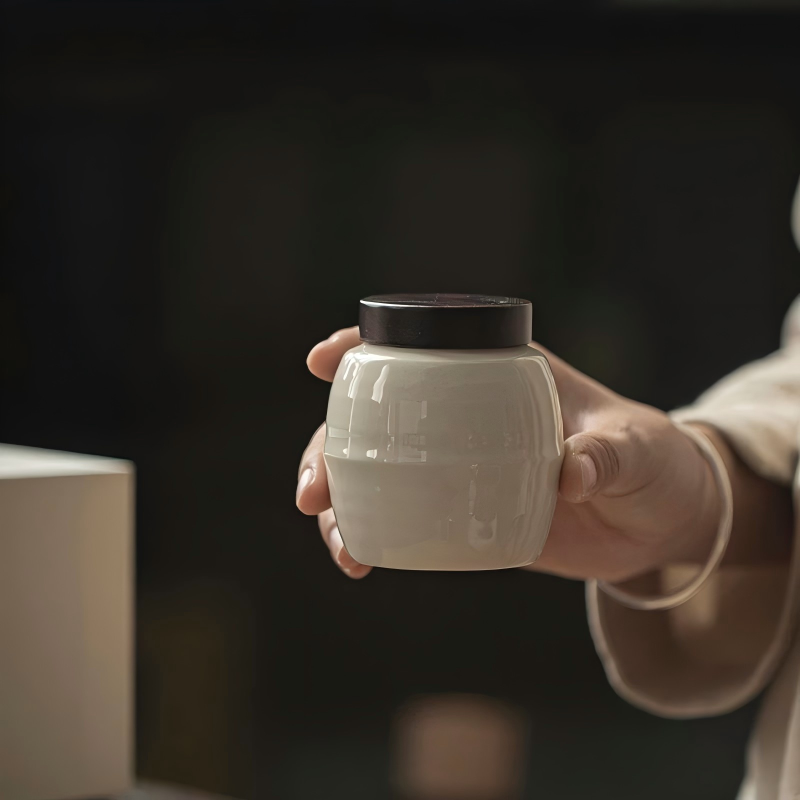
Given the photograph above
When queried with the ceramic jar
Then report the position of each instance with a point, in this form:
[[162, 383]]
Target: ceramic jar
[[444, 437]]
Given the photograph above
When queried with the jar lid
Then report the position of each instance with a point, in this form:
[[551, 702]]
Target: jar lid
[[445, 321]]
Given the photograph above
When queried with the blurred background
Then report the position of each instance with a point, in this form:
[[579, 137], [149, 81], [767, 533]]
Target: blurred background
[[194, 193]]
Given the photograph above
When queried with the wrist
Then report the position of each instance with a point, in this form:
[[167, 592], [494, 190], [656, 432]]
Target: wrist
[[763, 512], [719, 471], [707, 506]]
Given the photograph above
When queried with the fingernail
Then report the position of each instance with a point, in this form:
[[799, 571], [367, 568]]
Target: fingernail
[[588, 474], [306, 479]]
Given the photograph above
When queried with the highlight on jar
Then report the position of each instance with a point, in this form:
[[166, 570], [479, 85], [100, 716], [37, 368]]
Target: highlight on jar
[[444, 437]]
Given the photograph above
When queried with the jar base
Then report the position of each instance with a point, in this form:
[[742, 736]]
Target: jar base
[[439, 556]]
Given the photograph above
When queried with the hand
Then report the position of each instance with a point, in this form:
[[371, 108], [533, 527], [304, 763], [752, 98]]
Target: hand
[[634, 492]]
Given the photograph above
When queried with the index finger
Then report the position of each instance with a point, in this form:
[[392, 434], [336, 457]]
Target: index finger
[[324, 358]]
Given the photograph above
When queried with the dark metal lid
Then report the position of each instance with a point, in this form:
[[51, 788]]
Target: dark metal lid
[[445, 321]]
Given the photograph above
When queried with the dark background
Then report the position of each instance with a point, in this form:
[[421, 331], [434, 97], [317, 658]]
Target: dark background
[[193, 194]]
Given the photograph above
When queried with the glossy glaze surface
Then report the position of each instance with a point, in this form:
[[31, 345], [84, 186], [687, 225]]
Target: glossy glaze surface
[[443, 460]]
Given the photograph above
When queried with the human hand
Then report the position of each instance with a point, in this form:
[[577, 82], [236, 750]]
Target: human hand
[[634, 491]]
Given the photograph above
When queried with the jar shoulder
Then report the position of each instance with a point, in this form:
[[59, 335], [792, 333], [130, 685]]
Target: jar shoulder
[[368, 353], [369, 370]]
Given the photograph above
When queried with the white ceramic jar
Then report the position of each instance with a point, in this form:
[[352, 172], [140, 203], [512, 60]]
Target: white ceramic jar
[[444, 438]]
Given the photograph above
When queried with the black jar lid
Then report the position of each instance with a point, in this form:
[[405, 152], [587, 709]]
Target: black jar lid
[[445, 321]]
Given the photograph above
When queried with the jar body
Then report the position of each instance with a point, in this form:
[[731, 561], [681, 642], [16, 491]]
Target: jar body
[[443, 460]]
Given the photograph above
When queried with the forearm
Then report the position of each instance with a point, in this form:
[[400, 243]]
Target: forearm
[[717, 651], [762, 511]]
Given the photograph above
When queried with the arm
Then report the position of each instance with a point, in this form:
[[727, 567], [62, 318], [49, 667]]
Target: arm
[[721, 648], [762, 510]]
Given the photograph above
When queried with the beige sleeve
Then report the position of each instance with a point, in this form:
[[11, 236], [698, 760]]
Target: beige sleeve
[[721, 648]]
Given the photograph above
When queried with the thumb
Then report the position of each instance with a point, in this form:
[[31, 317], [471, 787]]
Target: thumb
[[592, 464]]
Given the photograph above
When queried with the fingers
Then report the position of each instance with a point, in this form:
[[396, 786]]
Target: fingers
[[591, 460], [333, 539], [623, 451], [591, 465], [313, 495], [324, 358], [563, 374], [579, 396]]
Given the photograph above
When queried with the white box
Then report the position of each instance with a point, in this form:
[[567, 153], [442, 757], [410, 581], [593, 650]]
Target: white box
[[66, 625]]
